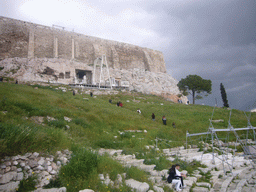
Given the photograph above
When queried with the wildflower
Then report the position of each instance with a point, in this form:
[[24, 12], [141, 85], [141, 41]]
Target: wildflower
[[47, 178], [67, 184], [33, 172]]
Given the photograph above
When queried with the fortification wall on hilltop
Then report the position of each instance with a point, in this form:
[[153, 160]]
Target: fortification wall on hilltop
[[28, 40]]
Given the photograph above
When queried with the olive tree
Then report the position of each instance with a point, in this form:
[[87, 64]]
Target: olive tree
[[196, 86]]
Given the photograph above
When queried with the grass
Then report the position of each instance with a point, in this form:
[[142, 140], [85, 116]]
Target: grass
[[85, 166], [98, 124], [206, 177], [28, 184]]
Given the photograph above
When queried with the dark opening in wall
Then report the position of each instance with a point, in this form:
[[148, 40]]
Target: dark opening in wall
[[48, 71], [84, 76], [61, 75], [67, 75]]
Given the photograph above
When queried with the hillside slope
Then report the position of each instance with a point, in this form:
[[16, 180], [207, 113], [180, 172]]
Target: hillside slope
[[95, 122]]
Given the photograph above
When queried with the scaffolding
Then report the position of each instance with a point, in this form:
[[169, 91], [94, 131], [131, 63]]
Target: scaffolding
[[104, 71], [224, 151]]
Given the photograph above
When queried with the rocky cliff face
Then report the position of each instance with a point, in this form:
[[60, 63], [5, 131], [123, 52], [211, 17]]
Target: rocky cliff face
[[64, 71], [32, 52]]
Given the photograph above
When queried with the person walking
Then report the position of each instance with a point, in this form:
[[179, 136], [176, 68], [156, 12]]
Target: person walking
[[164, 120], [153, 117]]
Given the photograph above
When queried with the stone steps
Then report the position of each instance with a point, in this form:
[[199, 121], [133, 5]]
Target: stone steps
[[234, 182], [227, 183]]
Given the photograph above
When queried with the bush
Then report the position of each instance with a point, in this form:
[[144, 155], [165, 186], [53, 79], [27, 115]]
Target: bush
[[136, 174], [81, 122], [161, 163], [19, 139], [57, 123], [54, 183], [28, 184], [81, 171], [108, 144]]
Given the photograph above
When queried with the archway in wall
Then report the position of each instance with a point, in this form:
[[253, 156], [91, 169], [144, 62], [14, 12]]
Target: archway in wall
[[80, 76]]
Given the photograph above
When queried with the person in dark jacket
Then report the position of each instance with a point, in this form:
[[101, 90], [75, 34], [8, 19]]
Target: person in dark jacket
[[153, 117], [175, 177], [164, 120]]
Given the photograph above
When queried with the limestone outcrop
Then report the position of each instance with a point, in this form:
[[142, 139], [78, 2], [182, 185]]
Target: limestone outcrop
[[64, 71], [33, 52]]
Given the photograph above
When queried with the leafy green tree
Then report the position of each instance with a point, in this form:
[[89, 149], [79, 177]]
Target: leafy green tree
[[224, 95], [194, 84]]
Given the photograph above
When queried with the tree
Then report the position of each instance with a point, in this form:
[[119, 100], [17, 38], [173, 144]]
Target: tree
[[223, 95], [195, 84]]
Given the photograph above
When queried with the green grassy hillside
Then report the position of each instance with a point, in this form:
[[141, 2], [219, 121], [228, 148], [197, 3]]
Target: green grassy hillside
[[96, 122]]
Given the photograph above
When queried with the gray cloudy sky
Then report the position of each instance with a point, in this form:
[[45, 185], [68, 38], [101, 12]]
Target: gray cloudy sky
[[215, 39]]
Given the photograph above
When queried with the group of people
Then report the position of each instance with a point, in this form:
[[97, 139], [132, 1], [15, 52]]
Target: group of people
[[164, 121], [176, 177]]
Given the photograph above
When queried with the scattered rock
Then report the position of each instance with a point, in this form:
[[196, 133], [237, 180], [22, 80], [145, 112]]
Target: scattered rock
[[138, 186]]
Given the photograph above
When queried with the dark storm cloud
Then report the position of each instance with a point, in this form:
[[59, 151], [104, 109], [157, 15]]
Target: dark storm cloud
[[214, 39]]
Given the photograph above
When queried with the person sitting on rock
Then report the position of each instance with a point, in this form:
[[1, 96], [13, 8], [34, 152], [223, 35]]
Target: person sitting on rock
[[176, 177], [179, 175]]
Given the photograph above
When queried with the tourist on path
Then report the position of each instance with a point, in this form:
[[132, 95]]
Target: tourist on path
[[153, 117], [164, 120]]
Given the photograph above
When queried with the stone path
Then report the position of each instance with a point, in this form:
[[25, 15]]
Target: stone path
[[242, 178]]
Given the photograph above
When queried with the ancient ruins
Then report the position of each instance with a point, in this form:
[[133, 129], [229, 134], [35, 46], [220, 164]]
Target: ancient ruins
[[33, 52]]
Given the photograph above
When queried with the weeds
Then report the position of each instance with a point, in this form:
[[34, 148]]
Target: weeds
[[206, 177], [28, 184]]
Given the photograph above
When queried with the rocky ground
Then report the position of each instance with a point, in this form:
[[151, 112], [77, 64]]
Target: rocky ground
[[242, 178]]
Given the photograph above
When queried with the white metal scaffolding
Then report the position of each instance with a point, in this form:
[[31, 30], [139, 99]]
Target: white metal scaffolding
[[213, 132], [104, 71]]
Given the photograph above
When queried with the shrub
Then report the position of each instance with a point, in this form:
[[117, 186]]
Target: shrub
[[108, 144], [28, 184], [161, 163], [136, 174], [81, 171], [57, 123], [54, 183], [81, 122], [18, 139]]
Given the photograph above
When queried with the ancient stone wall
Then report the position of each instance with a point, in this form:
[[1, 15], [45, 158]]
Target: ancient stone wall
[[28, 40]]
